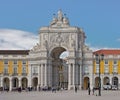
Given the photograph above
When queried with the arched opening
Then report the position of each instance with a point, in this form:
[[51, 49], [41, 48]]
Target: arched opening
[[35, 83], [15, 83], [59, 68], [24, 83], [115, 81], [106, 81], [97, 82], [6, 84], [86, 83]]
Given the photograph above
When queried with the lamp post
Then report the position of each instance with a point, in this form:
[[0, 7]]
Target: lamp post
[[99, 58]]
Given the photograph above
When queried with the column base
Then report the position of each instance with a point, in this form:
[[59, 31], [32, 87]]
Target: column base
[[71, 87]]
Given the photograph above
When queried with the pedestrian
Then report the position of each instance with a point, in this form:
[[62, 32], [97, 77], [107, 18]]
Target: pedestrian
[[93, 90], [89, 91], [39, 88], [75, 89]]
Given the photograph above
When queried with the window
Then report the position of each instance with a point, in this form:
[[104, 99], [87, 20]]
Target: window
[[115, 69], [24, 62], [97, 69], [35, 70], [5, 61], [97, 61], [24, 69], [5, 70], [106, 69], [86, 69], [15, 70], [15, 62], [115, 62], [106, 62]]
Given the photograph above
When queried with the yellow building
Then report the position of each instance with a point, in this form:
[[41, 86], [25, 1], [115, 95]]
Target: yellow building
[[13, 69], [109, 68]]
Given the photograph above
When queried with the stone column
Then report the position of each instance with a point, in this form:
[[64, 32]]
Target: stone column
[[30, 75], [119, 83], [91, 76], [80, 87], [69, 76], [73, 81], [77, 75], [19, 82], [41, 74], [0, 81], [49, 75], [101, 82], [10, 89], [45, 74], [110, 80]]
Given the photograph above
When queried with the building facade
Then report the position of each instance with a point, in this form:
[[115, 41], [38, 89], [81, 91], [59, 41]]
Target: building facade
[[42, 66]]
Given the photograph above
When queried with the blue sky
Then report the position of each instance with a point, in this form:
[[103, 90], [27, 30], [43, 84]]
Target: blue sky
[[100, 19]]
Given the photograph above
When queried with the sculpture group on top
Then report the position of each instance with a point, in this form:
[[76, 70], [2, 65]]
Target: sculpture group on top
[[60, 20]]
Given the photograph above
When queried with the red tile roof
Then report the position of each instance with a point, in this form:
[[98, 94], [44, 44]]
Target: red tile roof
[[14, 52], [108, 52]]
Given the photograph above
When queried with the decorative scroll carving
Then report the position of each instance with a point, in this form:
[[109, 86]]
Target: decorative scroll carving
[[36, 47]]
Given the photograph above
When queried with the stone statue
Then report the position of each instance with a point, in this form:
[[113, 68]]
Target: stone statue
[[60, 15], [54, 21], [65, 21]]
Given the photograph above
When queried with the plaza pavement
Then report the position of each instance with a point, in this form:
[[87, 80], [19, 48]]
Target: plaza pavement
[[60, 95]]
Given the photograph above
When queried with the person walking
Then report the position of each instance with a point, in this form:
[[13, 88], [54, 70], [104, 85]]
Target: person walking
[[75, 89], [93, 90], [89, 91]]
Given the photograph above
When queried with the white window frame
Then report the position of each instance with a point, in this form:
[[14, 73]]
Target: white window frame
[[115, 69], [15, 70], [115, 62], [24, 69], [106, 69], [106, 62], [97, 68], [6, 70]]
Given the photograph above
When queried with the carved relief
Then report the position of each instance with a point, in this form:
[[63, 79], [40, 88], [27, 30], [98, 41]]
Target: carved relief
[[36, 47], [45, 36]]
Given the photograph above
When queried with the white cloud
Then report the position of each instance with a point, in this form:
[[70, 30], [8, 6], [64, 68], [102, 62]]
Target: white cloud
[[16, 39], [118, 39], [95, 48]]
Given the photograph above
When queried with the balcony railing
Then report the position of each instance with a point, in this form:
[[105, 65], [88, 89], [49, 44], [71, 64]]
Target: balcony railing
[[6, 74], [34, 74], [87, 73], [15, 74], [114, 73], [24, 74], [97, 73], [106, 73]]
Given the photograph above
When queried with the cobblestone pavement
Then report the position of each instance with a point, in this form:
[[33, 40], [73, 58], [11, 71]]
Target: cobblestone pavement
[[60, 95]]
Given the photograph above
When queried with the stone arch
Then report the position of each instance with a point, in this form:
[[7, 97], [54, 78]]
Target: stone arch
[[59, 70], [115, 81], [6, 83], [54, 47], [97, 82], [15, 83], [86, 82], [24, 83], [106, 81], [35, 83]]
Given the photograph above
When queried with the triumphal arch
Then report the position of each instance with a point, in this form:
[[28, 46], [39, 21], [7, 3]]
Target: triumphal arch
[[45, 59]]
